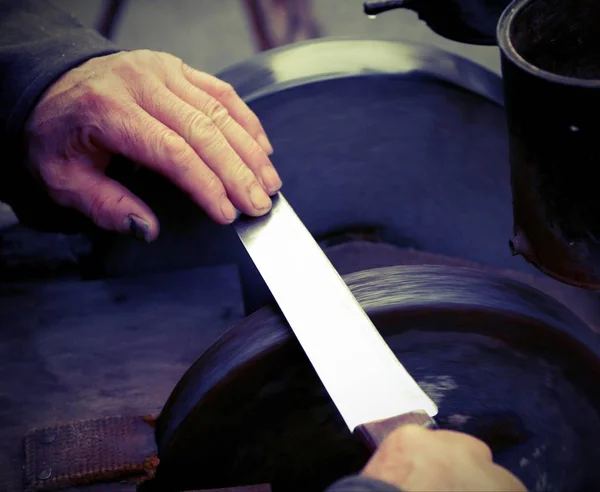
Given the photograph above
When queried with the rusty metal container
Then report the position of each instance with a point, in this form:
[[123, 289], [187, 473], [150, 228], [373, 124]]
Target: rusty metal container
[[551, 70]]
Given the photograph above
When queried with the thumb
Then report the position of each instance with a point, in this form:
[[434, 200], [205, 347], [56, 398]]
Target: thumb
[[107, 203]]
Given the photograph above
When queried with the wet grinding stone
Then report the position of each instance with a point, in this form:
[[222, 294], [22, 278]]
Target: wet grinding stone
[[547, 429], [505, 363]]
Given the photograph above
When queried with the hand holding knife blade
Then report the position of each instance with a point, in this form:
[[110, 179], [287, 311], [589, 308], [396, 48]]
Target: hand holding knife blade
[[370, 388]]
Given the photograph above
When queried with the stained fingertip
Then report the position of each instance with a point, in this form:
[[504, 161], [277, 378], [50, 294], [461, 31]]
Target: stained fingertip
[[141, 226], [138, 228]]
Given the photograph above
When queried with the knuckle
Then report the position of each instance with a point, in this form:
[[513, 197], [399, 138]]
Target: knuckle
[[128, 68], [224, 90], [158, 61], [216, 112], [242, 175], [179, 153], [186, 70], [94, 98], [172, 143], [148, 56], [83, 141], [481, 448], [408, 431], [402, 437], [201, 126]]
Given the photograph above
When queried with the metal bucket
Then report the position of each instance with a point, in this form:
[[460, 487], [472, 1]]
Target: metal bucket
[[551, 69]]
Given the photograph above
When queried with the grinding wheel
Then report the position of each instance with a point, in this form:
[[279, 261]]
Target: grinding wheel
[[504, 362]]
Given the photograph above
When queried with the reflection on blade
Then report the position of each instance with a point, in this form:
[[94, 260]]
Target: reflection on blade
[[362, 375]]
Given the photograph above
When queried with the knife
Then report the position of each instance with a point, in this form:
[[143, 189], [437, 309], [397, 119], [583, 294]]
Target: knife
[[370, 388]]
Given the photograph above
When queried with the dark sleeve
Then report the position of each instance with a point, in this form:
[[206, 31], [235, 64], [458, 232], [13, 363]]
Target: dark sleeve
[[38, 43], [358, 483]]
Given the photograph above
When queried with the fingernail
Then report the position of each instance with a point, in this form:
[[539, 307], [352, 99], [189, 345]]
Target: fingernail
[[259, 198], [271, 179], [264, 142], [228, 210], [138, 227]]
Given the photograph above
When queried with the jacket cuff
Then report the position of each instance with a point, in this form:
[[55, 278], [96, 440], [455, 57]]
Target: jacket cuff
[[47, 72], [33, 70]]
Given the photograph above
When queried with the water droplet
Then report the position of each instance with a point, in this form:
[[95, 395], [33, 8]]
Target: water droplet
[[574, 128], [372, 16]]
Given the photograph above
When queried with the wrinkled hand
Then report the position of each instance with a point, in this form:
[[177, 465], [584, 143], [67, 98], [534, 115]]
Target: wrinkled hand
[[158, 112], [420, 460]]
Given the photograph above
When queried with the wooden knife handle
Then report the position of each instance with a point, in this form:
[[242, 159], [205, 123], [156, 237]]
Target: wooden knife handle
[[373, 433]]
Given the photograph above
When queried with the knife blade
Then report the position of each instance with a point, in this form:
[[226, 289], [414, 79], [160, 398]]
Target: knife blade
[[370, 388]]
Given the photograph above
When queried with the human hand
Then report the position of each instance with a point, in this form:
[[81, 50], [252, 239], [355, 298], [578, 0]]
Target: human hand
[[153, 109], [415, 459]]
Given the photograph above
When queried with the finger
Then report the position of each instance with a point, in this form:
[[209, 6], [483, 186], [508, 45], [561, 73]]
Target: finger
[[510, 482], [240, 140], [205, 138], [107, 203], [409, 434], [226, 95], [476, 447], [138, 136]]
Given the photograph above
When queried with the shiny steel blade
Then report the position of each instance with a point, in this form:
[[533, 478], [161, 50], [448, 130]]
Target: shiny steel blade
[[362, 375]]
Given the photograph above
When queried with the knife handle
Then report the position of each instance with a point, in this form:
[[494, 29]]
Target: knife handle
[[374, 433]]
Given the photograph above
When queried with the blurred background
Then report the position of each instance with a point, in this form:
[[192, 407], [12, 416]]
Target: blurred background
[[213, 34]]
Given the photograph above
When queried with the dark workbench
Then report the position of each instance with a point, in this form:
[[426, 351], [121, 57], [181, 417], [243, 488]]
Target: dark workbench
[[73, 350]]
